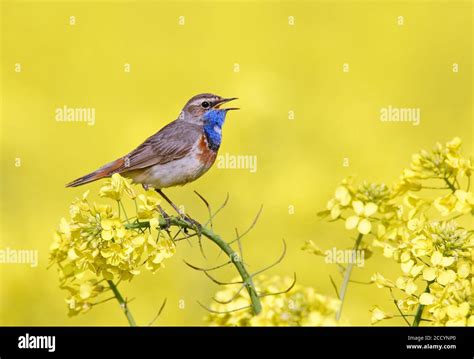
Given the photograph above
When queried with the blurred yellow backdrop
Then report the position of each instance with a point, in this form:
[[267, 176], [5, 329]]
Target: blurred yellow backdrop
[[279, 67]]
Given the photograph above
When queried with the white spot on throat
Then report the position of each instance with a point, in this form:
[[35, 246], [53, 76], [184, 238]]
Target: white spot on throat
[[217, 129]]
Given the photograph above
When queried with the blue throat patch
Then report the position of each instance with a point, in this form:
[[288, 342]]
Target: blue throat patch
[[213, 121]]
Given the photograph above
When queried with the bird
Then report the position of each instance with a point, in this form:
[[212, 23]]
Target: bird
[[179, 153]]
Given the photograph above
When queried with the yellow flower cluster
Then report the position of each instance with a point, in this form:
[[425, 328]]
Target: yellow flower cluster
[[436, 253], [430, 236], [300, 306], [360, 205], [445, 163], [437, 262], [96, 245]]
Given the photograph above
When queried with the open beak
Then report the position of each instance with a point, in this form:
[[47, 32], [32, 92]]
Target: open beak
[[222, 101]]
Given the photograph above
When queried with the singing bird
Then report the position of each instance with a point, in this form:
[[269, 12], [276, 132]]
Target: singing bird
[[179, 153]]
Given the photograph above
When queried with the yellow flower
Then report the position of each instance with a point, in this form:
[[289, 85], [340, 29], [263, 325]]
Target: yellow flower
[[164, 249], [415, 204], [85, 290], [465, 201], [437, 259], [381, 281], [409, 181], [458, 314], [421, 246], [112, 229], [361, 219], [438, 272], [410, 287], [378, 315], [463, 270], [412, 201], [455, 160], [312, 248], [454, 145], [446, 205], [426, 299], [342, 198], [147, 206], [115, 187]]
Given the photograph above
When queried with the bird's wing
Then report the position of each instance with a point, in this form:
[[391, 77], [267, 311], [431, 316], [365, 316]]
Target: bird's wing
[[172, 142]]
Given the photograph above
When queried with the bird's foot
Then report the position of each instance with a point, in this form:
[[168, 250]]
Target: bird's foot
[[194, 224]]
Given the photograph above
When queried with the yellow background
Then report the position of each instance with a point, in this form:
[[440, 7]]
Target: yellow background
[[282, 68]]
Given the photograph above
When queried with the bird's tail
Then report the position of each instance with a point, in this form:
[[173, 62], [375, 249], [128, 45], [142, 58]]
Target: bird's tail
[[105, 171]]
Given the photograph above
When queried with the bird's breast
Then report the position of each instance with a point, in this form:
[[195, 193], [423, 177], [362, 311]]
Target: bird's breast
[[205, 153]]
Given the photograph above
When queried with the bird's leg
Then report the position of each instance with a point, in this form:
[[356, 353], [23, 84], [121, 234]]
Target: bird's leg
[[166, 198], [186, 217]]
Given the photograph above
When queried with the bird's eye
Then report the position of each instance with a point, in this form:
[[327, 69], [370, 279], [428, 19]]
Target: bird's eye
[[205, 104]]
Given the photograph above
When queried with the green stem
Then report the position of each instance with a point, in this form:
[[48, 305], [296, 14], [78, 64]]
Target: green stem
[[123, 303], [233, 256], [124, 212], [347, 277], [398, 308], [225, 247], [419, 310], [450, 185]]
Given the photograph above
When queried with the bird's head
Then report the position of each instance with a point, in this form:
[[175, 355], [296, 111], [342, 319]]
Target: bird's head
[[204, 106]]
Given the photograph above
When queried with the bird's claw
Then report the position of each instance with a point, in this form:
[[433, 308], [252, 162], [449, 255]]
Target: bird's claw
[[167, 223]]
